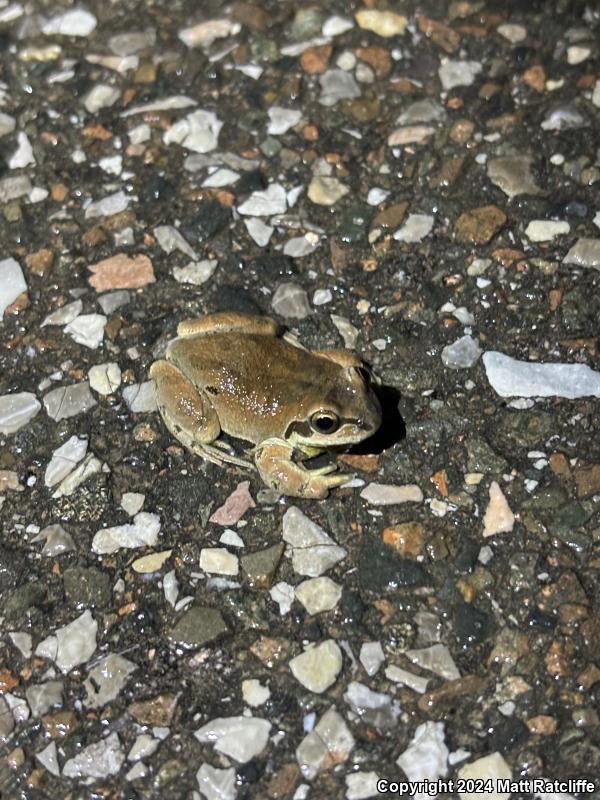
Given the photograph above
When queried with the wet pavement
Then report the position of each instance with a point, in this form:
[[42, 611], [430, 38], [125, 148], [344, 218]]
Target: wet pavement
[[418, 182]]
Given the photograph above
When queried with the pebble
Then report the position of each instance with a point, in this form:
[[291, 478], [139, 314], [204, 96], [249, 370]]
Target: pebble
[[23, 642], [126, 44], [488, 768], [458, 73], [198, 132], [498, 516], [106, 679], [113, 204], [282, 119], [140, 397], [260, 567], [89, 466], [265, 203], [132, 502], [121, 272], [56, 541], [240, 738], [346, 330], [23, 155], [218, 561], [415, 229], [198, 626], [410, 134], [512, 378], [480, 225], [64, 460], [13, 187], [12, 283], [563, 117], [259, 231], [318, 594], [321, 297], [385, 494], [464, 353], [148, 565], [72, 644], [426, 110], [64, 315], [283, 594], [329, 743], [7, 124], [7, 721], [362, 785], [584, 253], [205, 33], [336, 25], [541, 230], [105, 378], [17, 410], [318, 666], [373, 708], [254, 693], [300, 246], [313, 550], [513, 175], [196, 272], [68, 401], [217, 784], [48, 758], [436, 659], [101, 96], [236, 505], [377, 195], [144, 746], [371, 657], [336, 85], [291, 301], [576, 54], [404, 678], [113, 300], [170, 239], [87, 329], [143, 531], [426, 757], [512, 32], [383, 23], [74, 22], [326, 191], [97, 760]]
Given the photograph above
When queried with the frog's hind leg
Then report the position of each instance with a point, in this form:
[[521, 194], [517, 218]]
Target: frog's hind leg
[[189, 415], [228, 322]]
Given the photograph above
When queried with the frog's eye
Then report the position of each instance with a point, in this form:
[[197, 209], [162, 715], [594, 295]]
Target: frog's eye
[[324, 422]]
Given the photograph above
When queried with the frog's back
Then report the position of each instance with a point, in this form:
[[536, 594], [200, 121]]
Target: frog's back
[[257, 383]]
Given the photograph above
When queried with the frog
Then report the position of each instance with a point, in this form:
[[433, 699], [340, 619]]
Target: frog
[[242, 375]]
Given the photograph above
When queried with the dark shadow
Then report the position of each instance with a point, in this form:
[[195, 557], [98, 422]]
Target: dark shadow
[[392, 429]]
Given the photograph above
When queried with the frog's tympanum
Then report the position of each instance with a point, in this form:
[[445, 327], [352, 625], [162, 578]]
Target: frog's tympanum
[[232, 372]]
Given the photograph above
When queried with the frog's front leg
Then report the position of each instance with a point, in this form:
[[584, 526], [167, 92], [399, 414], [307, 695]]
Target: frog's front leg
[[274, 461], [189, 415]]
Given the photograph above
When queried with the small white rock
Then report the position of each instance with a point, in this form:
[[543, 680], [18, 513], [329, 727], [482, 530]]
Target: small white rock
[[105, 378], [219, 561], [541, 230], [318, 666], [319, 594]]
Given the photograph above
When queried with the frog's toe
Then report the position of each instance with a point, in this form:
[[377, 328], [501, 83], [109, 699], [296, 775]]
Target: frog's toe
[[220, 453]]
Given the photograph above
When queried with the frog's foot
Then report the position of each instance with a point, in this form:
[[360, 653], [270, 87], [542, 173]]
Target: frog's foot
[[190, 417], [274, 462]]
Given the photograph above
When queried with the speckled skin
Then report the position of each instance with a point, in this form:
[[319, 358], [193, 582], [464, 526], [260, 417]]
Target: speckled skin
[[233, 373]]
